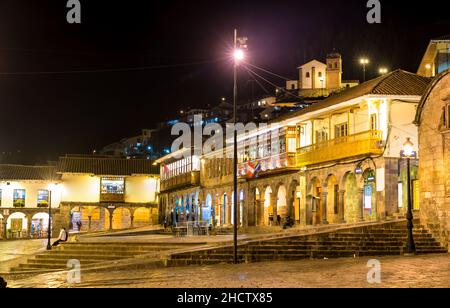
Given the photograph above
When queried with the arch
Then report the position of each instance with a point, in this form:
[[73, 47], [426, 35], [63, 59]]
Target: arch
[[314, 202], [207, 213], [369, 205], [269, 218], [121, 218], [331, 187], [39, 225], [223, 209], [294, 201], [351, 209], [141, 217], [17, 224], [282, 208]]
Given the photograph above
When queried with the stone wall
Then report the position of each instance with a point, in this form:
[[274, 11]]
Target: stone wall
[[434, 162]]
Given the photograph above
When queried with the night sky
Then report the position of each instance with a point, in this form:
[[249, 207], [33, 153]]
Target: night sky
[[167, 55]]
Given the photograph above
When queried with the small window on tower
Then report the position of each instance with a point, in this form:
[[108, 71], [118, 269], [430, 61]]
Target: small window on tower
[[308, 75], [320, 74], [335, 65]]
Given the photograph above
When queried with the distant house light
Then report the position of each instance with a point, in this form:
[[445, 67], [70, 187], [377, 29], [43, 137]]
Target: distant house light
[[167, 151]]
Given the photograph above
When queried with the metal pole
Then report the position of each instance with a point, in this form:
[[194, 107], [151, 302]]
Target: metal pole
[[410, 245], [235, 230], [364, 72], [49, 236]]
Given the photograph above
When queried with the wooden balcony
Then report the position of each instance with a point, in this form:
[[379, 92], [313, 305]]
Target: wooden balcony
[[361, 144], [182, 180]]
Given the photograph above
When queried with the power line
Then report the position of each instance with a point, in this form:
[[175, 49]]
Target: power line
[[259, 83], [272, 84], [130, 69], [267, 71]]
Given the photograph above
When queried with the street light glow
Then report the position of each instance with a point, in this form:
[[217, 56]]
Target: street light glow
[[408, 148], [364, 61], [383, 71], [239, 55]]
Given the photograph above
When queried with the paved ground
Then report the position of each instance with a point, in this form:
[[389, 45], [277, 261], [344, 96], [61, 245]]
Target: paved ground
[[13, 251], [410, 272]]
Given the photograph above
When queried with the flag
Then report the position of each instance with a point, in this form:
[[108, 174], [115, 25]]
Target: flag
[[257, 169], [250, 170]]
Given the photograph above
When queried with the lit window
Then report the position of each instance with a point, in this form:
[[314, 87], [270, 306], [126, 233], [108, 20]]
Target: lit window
[[373, 122], [113, 186], [43, 198], [341, 130], [19, 198]]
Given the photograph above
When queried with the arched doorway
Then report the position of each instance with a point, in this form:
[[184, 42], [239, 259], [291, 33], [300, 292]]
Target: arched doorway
[[223, 212], [17, 225], [259, 211], [369, 195], [141, 217], [332, 188], [314, 209], [293, 202], [39, 225], [2, 227], [121, 219], [207, 210], [241, 208], [282, 209], [351, 209], [269, 219]]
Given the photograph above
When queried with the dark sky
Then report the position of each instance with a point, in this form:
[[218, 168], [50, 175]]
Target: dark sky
[[44, 114]]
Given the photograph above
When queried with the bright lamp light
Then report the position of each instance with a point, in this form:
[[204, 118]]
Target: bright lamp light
[[408, 148], [239, 55]]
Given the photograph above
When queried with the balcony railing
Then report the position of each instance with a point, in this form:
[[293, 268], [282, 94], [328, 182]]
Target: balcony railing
[[270, 164], [182, 180], [366, 143]]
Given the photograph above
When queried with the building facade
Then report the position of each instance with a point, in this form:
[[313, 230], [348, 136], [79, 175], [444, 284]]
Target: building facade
[[336, 161], [86, 193], [433, 119]]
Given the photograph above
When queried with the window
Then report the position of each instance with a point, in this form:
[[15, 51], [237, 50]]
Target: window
[[373, 122], [320, 74], [19, 198], [321, 136], [292, 145], [400, 194], [341, 130], [43, 198], [292, 86], [447, 116], [308, 75], [335, 65], [113, 186]]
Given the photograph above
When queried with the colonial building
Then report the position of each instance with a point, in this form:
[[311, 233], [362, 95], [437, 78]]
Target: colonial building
[[86, 193], [336, 161], [317, 79], [436, 58], [433, 118]]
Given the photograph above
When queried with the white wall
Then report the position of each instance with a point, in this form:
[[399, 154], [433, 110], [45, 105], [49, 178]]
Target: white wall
[[80, 188], [306, 83], [31, 193], [401, 127], [141, 189]]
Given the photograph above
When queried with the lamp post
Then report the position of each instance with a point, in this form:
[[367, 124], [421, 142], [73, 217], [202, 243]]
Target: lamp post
[[49, 227], [364, 62], [238, 55], [408, 153]]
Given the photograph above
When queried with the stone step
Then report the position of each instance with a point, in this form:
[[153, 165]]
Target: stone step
[[81, 257], [61, 262]]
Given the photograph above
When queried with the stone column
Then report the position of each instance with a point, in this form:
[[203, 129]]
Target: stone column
[[89, 223], [342, 206], [360, 204], [324, 208], [29, 226], [273, 203], [110, 220], [132, 220]]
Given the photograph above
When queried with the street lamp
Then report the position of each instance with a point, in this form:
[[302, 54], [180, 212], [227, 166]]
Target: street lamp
[[364, 62], [49, 227], [383, 71], [408, 153], [239, 44]]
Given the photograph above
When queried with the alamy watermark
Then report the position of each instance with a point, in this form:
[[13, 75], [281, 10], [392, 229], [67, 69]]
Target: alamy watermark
[[74, 273], [374, 274], [374, 14], [74, 14], [211, 138]]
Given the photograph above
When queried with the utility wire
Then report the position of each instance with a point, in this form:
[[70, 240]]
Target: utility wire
[[130, 69], [272, 84], [266, 71], [259, 83]]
